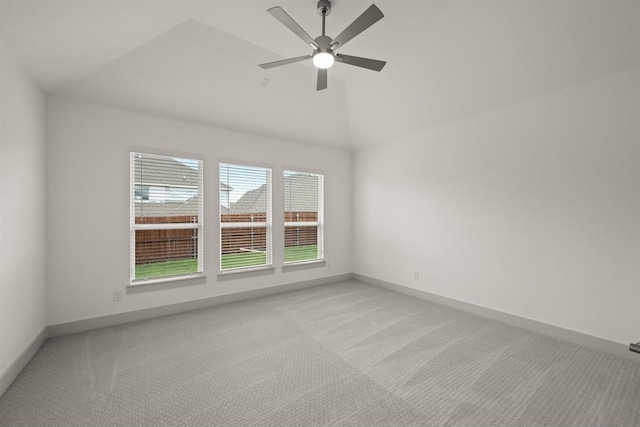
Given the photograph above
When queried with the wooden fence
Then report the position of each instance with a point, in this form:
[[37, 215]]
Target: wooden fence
[[165, 245]]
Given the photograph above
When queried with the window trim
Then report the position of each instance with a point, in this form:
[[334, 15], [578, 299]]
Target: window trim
[[320, 224], [133, 227], [267, 224]]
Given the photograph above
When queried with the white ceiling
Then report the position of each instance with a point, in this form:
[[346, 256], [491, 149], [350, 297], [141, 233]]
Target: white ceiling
[[198, 60]]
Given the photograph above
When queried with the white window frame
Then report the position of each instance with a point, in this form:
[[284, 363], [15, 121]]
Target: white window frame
[[319, 224], [133, 227], [267, 224]]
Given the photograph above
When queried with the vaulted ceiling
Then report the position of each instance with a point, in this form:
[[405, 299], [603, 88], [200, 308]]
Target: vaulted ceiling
[[198, 60]]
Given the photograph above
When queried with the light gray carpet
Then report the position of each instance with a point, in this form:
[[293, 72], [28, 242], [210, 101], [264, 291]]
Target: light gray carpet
[[346, 354]]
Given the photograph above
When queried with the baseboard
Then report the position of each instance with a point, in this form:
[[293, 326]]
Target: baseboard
[[12, 372], [579, 338], [149, 313]]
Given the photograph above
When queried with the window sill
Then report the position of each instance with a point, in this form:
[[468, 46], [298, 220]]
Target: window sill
[[240, 272], [304, 264], [155, 280]]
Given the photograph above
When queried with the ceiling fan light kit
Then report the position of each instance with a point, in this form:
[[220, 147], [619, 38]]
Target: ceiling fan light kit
[[324, 47], [323, 59]]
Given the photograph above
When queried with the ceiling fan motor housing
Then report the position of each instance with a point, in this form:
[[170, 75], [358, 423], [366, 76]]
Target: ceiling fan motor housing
[[324, 7], [324, 43]]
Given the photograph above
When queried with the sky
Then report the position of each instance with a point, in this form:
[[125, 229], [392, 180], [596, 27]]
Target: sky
[[241, 179]]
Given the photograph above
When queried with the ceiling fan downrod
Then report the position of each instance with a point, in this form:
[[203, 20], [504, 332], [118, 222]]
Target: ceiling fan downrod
[[324, 10]]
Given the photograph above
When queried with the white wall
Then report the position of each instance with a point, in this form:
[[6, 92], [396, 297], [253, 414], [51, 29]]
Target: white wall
[[532, 209], [22, 211], [88, 207]]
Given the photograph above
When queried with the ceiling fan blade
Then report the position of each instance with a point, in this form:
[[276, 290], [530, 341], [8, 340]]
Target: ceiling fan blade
[[371, 64], [284, 62], [322, 79], [288, 22], [364, 21]]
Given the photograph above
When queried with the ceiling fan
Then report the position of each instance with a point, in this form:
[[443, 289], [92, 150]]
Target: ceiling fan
[[324, 47]]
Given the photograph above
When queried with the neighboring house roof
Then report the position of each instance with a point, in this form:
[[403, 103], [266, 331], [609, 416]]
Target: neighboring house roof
[[161, 171], [251, 201], [162, 209], [164, 171], [300, 195]]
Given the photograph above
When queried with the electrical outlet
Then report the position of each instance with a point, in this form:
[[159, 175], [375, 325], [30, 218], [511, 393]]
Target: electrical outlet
[[416, 276], [328, 264], [117, 295]]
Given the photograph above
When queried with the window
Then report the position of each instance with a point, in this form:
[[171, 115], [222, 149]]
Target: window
[[303, 217], [245, 217], [166, 217]]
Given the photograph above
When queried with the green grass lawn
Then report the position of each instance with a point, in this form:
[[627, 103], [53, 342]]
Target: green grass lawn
[[246, 259], [166, 268], [300, 253]]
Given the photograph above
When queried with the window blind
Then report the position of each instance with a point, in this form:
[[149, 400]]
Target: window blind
[[245, 216], [303, 216], [166, 216]]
